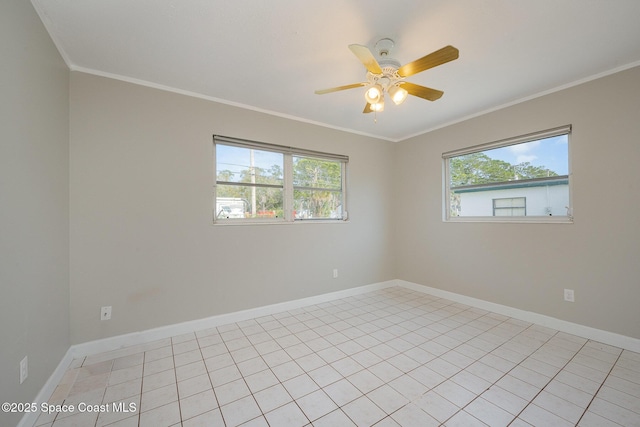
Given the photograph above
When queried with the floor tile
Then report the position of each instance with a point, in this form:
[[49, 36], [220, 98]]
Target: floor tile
[[187, 358], [464, 419], [252, 366], [161, 379], [325, 375], [198, 404], [166, 415], [191, 370], [289, 415], [231, 391], [240, 411], [159, 397], [334, 419], [571, 394], [310, 362], [365, 381], [316, 405], [158, 365], [454, 393], [272, 398], [342, 392], [363, 412], [392, 357], [614, 413], [591, 419], [387, 398], [559, 406], [505, 400], [125, 374], [412, 416], [261, 380], [488, 413], [77, 419], [538, 416], [436, 406], [194, 385], [224, 375], [347, 366]]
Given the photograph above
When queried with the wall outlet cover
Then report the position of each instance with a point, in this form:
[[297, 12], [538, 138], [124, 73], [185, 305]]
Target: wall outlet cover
[[569, 295], [24, 369]]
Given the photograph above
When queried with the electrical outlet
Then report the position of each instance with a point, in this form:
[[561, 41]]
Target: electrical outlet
[[335, 273], [24, 369], [105, 313], [569, 296]]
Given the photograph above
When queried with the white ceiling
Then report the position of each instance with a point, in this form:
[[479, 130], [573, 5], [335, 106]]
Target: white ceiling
[[270, 55]]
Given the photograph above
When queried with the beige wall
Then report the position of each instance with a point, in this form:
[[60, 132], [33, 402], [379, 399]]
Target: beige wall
[[526, 266], [34, 204], [141, 199]]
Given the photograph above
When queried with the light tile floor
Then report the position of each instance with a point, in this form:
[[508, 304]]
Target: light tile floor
[[393, 357]]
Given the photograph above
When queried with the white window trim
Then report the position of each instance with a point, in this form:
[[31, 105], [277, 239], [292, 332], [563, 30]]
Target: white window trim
[[288, 199], [446, 205]]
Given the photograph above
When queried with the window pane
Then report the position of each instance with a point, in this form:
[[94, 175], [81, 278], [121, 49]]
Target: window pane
[[496, 182], [316, 173], [316, 204], [246, 201], [510, 212], [516, 202], [238, 164], [255, 180]]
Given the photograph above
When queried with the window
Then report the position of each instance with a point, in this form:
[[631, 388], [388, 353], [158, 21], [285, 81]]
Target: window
[[524, 179], [514, 206], [258, 183]]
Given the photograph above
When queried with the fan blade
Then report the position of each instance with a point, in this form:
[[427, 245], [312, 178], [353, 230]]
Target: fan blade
[[366, 57], [422, 91], [336, 89], [367, 109], [439, 57]]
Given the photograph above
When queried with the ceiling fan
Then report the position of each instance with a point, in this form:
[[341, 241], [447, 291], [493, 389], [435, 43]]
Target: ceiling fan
[[386, 75]]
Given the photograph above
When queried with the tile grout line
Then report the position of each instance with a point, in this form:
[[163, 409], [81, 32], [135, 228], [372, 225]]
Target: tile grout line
[[144, 357], [208, 376], [548, 382], [270, 368], [598, 390], [503, 375], [175, 375]]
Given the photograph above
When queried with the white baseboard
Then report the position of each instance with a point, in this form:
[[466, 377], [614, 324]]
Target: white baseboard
[[121, 341], [29, 419], [142, 337], [605, 337]]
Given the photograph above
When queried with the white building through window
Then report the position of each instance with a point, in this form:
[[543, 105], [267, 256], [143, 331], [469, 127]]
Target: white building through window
[[525, 178]]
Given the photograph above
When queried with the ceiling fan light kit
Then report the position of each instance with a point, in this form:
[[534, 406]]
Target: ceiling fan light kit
[[373, 94], [398, 94], [386, 75]]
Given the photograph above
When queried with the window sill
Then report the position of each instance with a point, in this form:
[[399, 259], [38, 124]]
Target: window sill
[[278, 222], [516, 220]]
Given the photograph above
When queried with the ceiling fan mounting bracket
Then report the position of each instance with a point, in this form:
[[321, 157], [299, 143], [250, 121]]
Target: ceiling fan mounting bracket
[[384, 46]]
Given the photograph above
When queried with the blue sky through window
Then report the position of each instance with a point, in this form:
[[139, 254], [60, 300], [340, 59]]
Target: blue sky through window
[[238, 159], [552, 153]]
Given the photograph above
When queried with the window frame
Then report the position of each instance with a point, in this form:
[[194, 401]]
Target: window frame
[[288, 187], [534, 136]]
